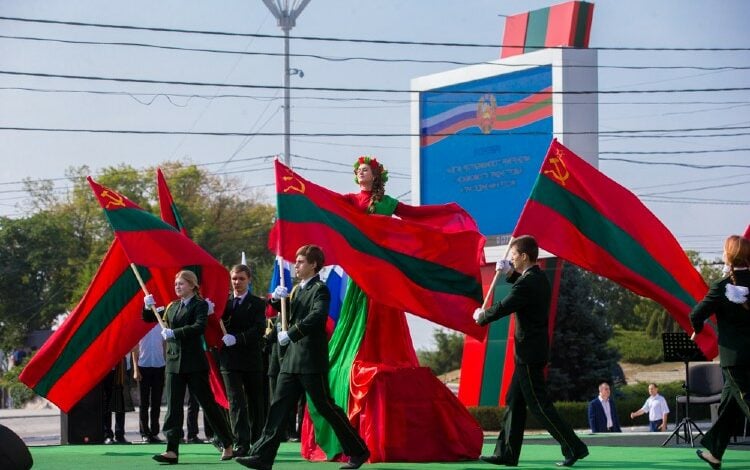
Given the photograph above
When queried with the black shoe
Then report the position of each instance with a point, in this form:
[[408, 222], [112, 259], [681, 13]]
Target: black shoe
[[161, 458], [715, 466], [253, 461], [496, 460], [109, 441], [241, 451], [194, 440], [356, 462], [570, 461], [121, 440], [152, 440]]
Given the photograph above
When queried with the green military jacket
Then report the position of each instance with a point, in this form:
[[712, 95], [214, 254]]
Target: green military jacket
[[246, 323], [529, 298], [308, 312], [733, 321], [185, 353]]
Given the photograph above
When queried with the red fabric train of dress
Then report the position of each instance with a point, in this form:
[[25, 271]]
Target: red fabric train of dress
[[401, 410]]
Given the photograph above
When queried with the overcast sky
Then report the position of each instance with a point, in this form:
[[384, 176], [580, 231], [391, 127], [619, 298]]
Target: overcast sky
[[700, 205]]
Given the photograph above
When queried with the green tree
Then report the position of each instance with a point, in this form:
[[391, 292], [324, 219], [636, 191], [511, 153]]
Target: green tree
[[447, 355], [580, 356], [49, 257], [656, 318], [39, 260], [613, 302]]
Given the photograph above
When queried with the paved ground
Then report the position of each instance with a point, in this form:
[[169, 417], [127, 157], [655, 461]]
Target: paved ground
[[39, 427]]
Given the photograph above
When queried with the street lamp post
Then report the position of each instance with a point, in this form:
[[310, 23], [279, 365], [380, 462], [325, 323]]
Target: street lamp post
[[286, 13]]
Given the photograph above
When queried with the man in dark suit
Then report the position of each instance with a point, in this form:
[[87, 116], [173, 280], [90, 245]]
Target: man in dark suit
[[241, 360], [529, 298], [602, 412], [305, 366]]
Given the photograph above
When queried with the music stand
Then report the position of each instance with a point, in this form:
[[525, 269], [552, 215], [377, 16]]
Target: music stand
[[679, 348]]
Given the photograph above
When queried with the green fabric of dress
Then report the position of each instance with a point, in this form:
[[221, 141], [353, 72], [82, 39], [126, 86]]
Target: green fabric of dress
[[343, 348]]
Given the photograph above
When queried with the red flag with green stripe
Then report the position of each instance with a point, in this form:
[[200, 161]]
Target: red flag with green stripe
[[150, 242], [106, 323], [167, 207], [430, 271], [98, 332], [579, 214], [170, 214]]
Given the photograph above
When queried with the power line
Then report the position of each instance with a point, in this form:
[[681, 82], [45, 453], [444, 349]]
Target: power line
[[686, 165], [368, 90], [369, 59], [396, 101], [676, 152], [621, 133], [355, 40]]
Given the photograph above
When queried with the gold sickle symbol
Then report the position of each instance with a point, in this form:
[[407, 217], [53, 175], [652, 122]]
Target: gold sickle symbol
[[560, 172], [292, 187], [114, 198]]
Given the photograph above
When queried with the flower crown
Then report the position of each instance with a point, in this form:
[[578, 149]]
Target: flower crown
[[377, 168]]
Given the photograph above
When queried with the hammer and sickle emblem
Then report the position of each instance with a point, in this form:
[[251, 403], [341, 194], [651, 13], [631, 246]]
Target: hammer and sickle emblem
[[560, 171], [291, 186], [113, 198]]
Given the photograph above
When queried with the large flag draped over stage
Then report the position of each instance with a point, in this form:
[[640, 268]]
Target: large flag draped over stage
[[428, 266], [579, 214], [213, 334]]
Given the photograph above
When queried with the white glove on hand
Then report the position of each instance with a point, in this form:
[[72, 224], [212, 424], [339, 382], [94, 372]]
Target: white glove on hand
[[211, 306], [504, 266], [229, 340], [279, 293], [167, 333], [283, 338], [149, 301], [477, 313]]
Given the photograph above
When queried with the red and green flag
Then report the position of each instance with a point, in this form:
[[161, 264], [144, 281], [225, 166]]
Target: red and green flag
[[98, 332], [170, 214], [167, 207], [430, 269], [579, 214], [106, 323]]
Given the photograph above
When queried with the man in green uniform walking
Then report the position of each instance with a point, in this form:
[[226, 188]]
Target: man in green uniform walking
[[529, 298], [305, 366]]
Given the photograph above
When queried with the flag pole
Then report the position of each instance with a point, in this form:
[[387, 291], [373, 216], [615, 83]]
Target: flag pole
[[280, 260], [491, 289], [284, 316], [145, 291]]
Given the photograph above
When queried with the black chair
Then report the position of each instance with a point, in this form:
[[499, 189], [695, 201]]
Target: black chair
[[706, 382]]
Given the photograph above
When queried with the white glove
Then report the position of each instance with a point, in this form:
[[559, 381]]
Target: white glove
[[279, 293], [283, 338], [477, 313], [504, 266], [211, 306], [278, 327], [167, 333], [149, 301], [229, 340]]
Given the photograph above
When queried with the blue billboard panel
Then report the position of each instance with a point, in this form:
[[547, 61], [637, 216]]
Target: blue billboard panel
[[482, 143]]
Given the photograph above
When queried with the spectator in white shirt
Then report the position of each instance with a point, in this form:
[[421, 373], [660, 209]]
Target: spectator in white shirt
[[657, 409]]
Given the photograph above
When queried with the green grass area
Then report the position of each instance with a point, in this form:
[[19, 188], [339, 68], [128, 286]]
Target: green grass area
[[534, 455]]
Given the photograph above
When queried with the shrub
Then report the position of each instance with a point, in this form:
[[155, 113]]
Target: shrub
[[627, 398], [19, 392], [637, 347]]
